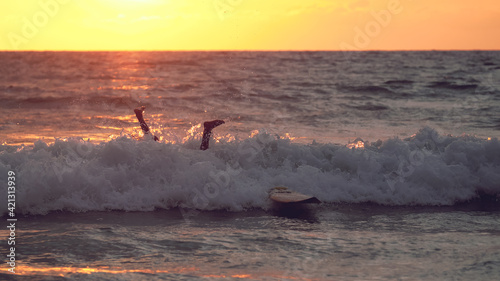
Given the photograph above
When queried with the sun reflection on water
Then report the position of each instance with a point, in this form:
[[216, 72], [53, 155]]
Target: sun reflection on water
[[66, 271], [62, 271], [357, 143]]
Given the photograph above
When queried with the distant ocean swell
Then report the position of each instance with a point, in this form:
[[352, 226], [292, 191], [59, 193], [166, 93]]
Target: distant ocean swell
[[131, 175]]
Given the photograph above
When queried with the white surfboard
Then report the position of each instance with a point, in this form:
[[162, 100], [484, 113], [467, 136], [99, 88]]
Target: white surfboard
[[282, 194]]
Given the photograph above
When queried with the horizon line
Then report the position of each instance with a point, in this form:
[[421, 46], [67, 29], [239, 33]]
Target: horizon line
[[259, 50]]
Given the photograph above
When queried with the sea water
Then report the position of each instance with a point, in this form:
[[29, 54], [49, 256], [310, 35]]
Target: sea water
[[401, 147]]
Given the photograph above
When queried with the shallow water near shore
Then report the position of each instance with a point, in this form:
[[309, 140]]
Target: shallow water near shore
[[319, 242]]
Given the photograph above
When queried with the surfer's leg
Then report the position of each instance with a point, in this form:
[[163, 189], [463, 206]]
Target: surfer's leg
[[207, 132], [138, 113]]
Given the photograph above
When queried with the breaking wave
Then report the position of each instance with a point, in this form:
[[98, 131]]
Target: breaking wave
[[131, 175]]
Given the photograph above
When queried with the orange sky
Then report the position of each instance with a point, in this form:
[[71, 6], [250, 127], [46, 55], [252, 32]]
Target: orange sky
[[249, 24]]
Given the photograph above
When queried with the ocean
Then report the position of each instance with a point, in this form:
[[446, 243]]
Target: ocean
[[401, 148]]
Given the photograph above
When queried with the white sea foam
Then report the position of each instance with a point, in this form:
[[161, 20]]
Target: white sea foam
[[130, 175]]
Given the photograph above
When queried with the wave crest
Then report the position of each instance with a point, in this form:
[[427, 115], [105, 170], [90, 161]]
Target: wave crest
[[130, 175]]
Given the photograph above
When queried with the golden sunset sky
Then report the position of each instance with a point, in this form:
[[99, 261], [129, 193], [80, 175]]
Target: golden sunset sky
[[249, 25]]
